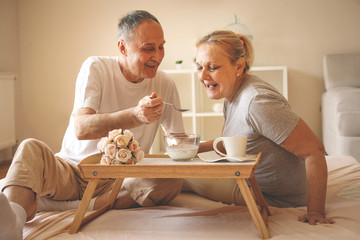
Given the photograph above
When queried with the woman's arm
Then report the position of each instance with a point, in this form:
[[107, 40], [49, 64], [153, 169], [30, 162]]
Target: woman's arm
[[303, 143], [206, 146]]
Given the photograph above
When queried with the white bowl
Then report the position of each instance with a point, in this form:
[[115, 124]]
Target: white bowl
[[182, 147]]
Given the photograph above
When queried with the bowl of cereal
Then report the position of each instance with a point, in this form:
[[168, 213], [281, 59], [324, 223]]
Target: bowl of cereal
[[182, 147]]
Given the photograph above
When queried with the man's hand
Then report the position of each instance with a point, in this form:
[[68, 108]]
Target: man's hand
[[149, 109], [314, 217]]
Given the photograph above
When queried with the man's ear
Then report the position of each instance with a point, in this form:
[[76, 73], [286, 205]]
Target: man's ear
[[122, 47]]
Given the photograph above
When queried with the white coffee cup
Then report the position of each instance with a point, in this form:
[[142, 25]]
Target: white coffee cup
[[235, 146]]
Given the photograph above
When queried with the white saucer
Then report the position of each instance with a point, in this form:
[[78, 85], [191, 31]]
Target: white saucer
[[212, 156]]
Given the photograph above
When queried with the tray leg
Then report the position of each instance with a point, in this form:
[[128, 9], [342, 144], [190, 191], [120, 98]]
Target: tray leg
[[115, 191], [79, 216], [260, 198], [253, 209], [109, 204]]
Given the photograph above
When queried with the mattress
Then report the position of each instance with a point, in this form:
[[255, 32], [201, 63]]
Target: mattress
[[190, 216]]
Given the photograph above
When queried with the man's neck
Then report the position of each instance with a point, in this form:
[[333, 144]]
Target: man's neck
[[127, 74]]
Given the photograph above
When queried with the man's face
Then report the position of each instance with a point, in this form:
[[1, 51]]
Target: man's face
[[143, 52]]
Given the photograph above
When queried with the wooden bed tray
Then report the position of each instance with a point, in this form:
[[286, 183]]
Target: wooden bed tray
[[161, 166]]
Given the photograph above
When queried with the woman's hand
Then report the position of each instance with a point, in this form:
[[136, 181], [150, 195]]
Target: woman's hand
[[303, 143], [315, 217]]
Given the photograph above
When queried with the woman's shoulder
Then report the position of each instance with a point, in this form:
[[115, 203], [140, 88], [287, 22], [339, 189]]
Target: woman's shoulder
[[259, 88], [257, 82]]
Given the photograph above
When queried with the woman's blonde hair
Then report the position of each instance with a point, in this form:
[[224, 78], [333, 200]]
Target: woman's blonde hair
[[234, 45]]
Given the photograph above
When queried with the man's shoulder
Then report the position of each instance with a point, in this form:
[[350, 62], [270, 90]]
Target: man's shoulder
[[100, 63], [102, 59], [162, 80], [163, 76]]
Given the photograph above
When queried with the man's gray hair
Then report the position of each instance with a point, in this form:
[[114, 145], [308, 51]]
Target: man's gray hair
[[130, 21]]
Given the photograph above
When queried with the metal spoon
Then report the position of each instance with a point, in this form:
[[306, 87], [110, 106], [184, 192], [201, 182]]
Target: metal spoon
[[177, 109]]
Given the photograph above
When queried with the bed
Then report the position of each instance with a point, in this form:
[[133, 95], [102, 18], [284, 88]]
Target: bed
[[190, 216]]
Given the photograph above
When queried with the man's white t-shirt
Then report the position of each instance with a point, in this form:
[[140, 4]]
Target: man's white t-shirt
[[101, 86]]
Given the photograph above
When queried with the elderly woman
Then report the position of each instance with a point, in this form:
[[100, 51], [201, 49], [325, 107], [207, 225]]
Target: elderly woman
[[292, 171]]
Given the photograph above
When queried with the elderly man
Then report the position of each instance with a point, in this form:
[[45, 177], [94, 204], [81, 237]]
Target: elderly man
[[111, 92]]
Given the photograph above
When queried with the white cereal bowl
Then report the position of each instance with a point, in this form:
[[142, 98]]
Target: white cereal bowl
[[182, 147]]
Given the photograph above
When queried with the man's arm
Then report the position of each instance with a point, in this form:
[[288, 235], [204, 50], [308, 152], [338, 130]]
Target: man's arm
[[303, 143], [90, 125]]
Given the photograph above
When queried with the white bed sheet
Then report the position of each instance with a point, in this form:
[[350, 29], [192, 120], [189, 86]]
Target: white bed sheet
[[192, 217]]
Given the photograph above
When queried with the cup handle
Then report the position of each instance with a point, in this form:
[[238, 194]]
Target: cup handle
[[219, 139]]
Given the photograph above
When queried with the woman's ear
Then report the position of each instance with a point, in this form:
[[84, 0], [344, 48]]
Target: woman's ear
[[122, 47], [240, 65]]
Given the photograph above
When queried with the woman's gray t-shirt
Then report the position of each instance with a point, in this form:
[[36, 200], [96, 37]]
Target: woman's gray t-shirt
[[261, 113]]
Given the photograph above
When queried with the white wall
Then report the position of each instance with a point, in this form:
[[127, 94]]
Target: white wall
[[9, 49], [56, 36]]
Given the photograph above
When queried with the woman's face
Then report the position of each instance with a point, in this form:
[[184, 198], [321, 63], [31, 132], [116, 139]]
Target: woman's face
[[219, 76]]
